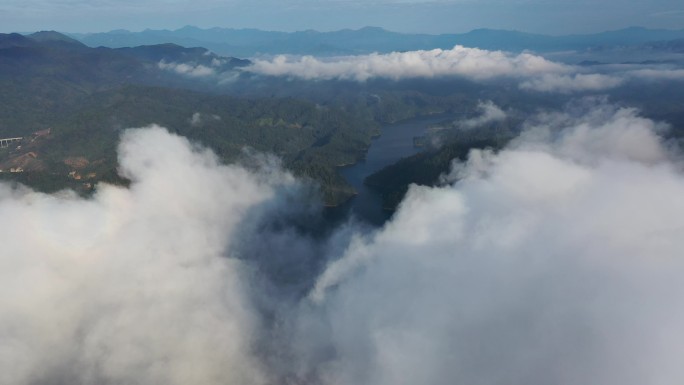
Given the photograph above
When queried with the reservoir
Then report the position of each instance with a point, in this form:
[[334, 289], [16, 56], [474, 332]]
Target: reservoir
[[395, 142]]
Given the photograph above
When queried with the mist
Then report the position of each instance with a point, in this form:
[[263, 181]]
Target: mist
[[555, 260], [489, 112], [532, 72], [134, 285], [469, 62], [187, 69]]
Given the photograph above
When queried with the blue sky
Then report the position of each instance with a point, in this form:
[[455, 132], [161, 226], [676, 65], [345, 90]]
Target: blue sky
[[439, 16]]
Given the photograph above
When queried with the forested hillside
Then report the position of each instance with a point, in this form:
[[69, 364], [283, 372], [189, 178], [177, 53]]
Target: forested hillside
[[70, 103]]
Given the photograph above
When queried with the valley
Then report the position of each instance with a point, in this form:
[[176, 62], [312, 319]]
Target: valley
[[325, 192], [72, 102]]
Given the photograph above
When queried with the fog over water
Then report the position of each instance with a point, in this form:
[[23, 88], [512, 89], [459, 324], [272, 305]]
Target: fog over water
[[554, 261]]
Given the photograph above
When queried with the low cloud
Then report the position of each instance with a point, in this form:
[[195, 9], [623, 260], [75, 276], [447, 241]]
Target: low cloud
[[198, 119], [134, 285], [533, 72], [459, 61], [572, 83], [187, 69], [489, 113], [556, 260], [592, 131], [657, 74]]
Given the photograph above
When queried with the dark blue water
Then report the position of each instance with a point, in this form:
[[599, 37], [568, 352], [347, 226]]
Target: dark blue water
[[394, 143]]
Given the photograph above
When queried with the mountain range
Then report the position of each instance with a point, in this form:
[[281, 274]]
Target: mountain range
[[70, 103], [254, 42], [83, 97]]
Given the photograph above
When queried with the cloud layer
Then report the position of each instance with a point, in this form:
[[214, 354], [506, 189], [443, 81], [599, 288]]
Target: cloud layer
[[556, 260], [459, 61], [489, 112], [571, 83], [134, 285], [532, 72]]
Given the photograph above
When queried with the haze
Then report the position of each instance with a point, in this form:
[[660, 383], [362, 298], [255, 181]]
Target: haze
[[539, 16]]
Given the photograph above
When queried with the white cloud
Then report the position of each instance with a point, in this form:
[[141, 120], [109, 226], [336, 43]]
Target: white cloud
[[596, 131], [187, 69], [134, 285], [554, 261], [489, 112], [534, 73], [196, 119], [459, 61], [657, 74], [557, 260], [571, 83]]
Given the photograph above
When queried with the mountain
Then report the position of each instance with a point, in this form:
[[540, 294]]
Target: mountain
[[628, 36], [11, 40], [83, 97], [71, 102], [48, 59], [253, 42], [170, 52], [55, 37]]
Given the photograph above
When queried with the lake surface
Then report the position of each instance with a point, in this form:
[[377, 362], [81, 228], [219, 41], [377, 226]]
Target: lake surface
[[394, 143]]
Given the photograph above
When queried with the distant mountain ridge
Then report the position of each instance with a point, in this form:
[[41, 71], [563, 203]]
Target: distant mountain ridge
[[254, 42], [54, 50]]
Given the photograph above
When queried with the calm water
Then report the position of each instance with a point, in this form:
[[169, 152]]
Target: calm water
[[395, 142]]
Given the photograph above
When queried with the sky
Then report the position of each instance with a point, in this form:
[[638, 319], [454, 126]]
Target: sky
[[436, 16]]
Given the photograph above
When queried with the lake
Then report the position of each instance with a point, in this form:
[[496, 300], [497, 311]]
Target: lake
[[394, 143]]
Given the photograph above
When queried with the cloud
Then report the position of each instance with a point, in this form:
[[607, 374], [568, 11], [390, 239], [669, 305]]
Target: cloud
[[489, 112], [134, 285], [571, 83], [657, 74], [592, 131], [187, 69], [198, 119], [556, 260], [533, 72], [459, 61]]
